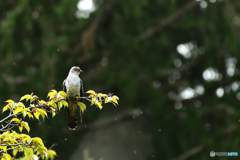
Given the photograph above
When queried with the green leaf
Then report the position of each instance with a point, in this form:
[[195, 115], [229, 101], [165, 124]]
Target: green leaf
[[20, 104], [24, 113], [19, 109], [99, 105], [27, 97], [36, 114], [51, 154], [15, 120], [82, 106], [53, 104], [62, 93], [6, 156], [43, 111], [29, 115], [25, 125], [53, 114], [33, 98], [42, 102], [52, 93], [60, 105], [9, 101], [91, 92], [28, 152], [5, 108], [14, 152], [20, 128], [64, 103]]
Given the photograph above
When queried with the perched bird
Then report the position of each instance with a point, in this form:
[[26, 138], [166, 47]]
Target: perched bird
[[73, 86]]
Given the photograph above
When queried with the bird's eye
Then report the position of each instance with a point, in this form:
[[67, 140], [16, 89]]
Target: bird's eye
[[75, 69]]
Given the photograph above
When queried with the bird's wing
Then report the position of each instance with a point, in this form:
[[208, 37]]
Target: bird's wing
[[64, 86], [81, 89]]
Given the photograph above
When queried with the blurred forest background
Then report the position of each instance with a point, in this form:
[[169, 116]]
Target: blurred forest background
[[173, 64]]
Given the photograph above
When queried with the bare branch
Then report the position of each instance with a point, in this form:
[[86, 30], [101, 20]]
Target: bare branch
[[168, 21], [17, 144]]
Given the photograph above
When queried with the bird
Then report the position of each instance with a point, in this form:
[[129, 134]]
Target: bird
[[73, 87]]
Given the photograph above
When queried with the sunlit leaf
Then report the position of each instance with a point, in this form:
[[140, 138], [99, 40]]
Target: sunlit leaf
[[9, 101], [29, 115], [5, 108], [64, 103], [101, 95], [52, 93], [4, 148], [33, 98], [51, 154], [43, 111], [82, 106], [19, 109], [53, 114], [27, 97], [60, 105], [24, 113], [20, 128], [15, 120], [36, 114], [37, 141], [6, 156], [62, 93], [14, 152], [25, 125], [42, 102], [28, 152], [93, 101], [53, 104], [99, 105], [91, 92], [20, 104]]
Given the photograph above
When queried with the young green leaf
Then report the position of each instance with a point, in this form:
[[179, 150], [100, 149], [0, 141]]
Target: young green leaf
[[15, 120], [6, 156], [63, 94], [27, 97], [19, 109], [53, 104], [51, 154], [64, 103], [29, 115], [36, 114], [91, 92], [9, 101], [60, 105], [82, 106], [5, 108], [99, 105]]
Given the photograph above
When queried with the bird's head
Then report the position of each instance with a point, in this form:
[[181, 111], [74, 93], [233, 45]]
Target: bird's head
[[76, 70]]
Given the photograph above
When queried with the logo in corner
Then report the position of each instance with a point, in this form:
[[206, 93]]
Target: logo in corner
[[212, 154]]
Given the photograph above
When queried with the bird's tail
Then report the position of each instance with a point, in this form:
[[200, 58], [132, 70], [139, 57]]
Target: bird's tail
[[72, 115]]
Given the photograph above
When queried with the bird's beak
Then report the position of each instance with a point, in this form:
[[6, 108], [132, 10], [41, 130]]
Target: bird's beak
[[80, 70]]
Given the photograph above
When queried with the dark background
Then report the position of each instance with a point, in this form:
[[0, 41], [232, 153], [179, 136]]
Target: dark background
[[173, 64]]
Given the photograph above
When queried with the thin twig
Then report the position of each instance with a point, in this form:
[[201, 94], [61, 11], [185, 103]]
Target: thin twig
[[53, 145], [17, 144]]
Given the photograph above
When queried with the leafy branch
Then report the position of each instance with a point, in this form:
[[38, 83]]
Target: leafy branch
[[33, 148]]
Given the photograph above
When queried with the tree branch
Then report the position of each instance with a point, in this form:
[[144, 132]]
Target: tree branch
[[190, 153], [168, 21]]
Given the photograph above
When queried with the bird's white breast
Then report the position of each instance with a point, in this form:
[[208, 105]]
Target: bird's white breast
[[73, 86]]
